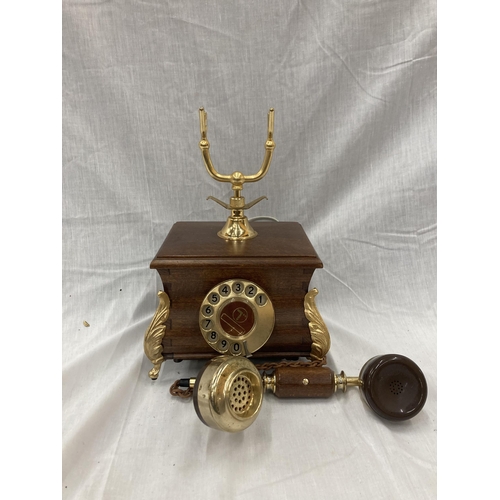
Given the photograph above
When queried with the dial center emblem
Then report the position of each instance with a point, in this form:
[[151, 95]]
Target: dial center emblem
[[237, 318]]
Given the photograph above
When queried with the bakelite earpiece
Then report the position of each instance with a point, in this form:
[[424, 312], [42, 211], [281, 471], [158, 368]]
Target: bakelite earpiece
[[228, 391], [393, 386]]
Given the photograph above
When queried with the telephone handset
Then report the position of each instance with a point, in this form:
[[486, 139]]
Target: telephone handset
[[228, 392], [238, 292]]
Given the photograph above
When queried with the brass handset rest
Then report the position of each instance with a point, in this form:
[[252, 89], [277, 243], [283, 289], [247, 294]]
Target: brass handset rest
[[237, 227]]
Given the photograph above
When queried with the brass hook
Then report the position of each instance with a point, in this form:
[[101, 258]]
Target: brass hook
[[237, 227], [237, 179]]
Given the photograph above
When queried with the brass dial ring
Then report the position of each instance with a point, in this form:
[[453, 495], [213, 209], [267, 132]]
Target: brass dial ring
[[236, 317]]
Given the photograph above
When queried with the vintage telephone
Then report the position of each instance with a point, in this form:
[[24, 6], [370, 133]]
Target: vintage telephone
[[238, 292]]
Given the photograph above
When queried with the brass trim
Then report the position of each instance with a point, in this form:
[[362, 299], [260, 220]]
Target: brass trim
[[237, 227], [319, 332], [342, 382], [269, 382], [154, 335], [210, 323]]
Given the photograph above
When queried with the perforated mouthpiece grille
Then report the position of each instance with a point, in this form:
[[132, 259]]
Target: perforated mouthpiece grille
[[241, 394]]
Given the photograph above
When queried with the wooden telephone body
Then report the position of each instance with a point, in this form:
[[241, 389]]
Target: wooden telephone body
[[193, 260]]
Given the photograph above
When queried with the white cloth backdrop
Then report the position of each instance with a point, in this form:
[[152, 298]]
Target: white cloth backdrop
[[353, 86]]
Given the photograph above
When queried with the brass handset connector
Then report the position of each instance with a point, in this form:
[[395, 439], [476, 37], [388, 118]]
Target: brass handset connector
[[342, 382], [237, 227]]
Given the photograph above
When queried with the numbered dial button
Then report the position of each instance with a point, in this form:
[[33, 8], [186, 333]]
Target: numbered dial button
[[206, 324], [222, 346], [261, 299], [207, 311], [213, 337], [214, 298], [236, 348]]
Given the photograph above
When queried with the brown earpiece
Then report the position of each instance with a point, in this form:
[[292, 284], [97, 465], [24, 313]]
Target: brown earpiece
[[394, 387]]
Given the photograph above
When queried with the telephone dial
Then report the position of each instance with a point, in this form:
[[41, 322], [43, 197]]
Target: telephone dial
[[240, 292]]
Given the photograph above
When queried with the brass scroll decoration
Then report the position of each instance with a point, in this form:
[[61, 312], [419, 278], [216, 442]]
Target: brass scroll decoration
[[319, 332], [154, 335]]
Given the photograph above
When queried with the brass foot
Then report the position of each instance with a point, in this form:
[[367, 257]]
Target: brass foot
[[153, 373]]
